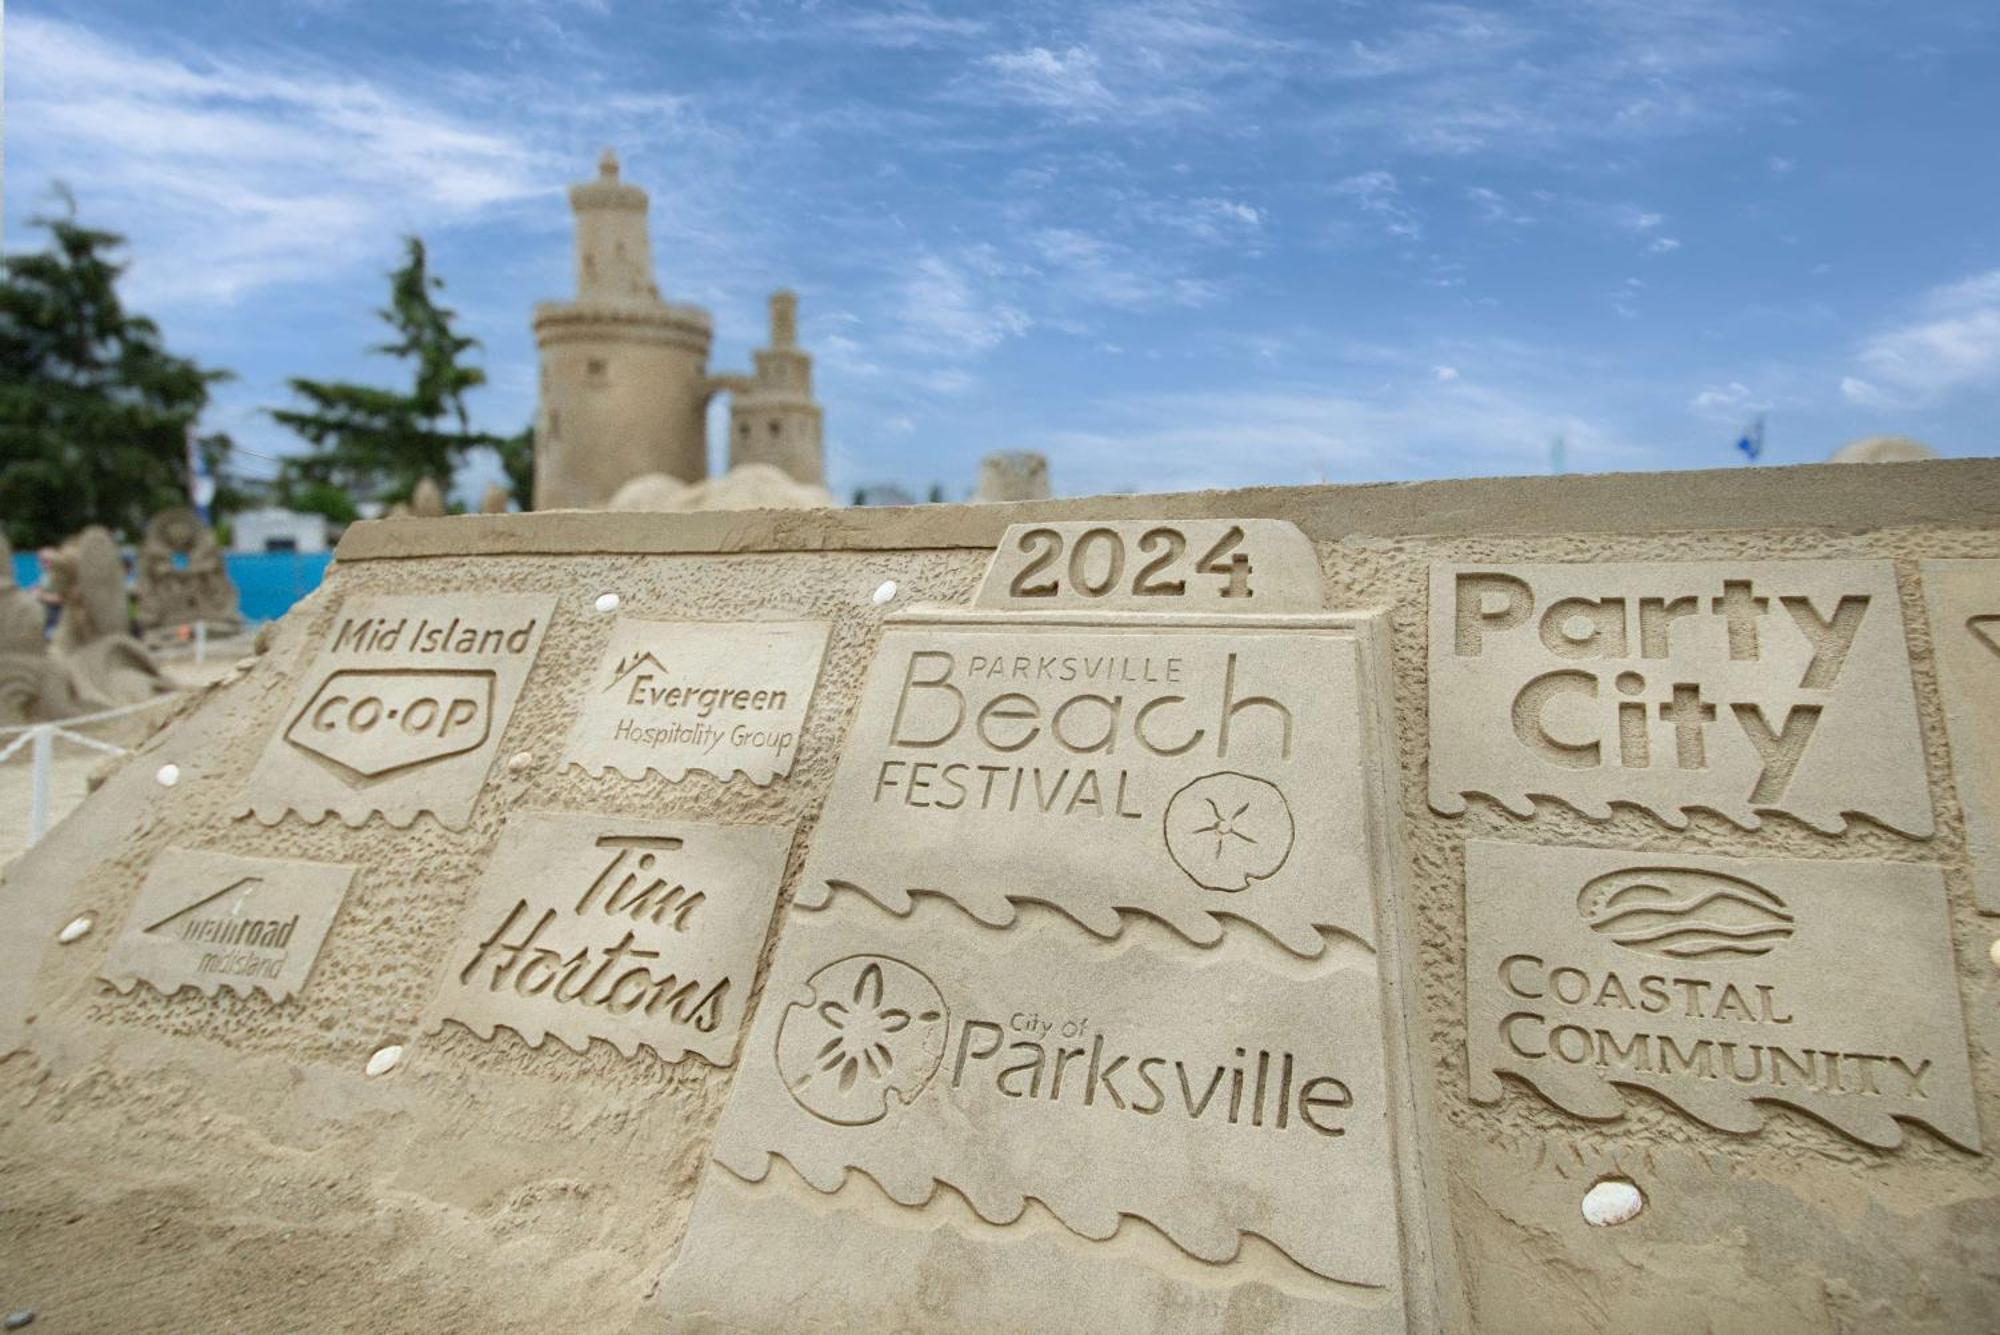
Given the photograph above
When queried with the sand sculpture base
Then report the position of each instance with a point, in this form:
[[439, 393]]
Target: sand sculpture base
[[1271, 910]]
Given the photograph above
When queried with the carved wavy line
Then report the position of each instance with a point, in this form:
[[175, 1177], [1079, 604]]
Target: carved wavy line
[[436, 1024], [676, 775], [1281, 1267], [1331, 938], [1757, 1106], [319, 815], [208, 991], [1743, 817]]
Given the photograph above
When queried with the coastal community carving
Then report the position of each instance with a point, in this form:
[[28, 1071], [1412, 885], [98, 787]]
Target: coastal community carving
[[402, 709], [215, 920], [639, 933], [1721, 985], [673, 696], [1744, 688]]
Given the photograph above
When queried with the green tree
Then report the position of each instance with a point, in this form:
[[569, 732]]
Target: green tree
[[94, 411], [379, 443], [517, 462]]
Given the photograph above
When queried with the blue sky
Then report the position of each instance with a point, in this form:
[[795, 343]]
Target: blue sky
[[1173, 245]]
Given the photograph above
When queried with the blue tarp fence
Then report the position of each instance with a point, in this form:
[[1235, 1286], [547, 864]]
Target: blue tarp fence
[[270, 582]]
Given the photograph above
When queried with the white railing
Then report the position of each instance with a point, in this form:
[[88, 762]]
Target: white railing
[[40, 739]]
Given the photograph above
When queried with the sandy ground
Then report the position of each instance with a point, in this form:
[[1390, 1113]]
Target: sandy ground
[[70, 773]]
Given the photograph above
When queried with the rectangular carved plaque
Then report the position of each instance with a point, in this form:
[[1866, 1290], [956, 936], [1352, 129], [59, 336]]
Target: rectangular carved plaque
[[1154, 565], [1741, 687], [402, 709], [1964, 602], [1718, 984], [214, 920], [641, 933], [999, 759], [719, 697], [1098, 936]]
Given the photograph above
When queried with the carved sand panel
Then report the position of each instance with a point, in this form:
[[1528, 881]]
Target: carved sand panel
[[1193, 769], [1181, 565], [640, 933], [1963, 598], [1718, 984], [1741, 687], [719, 697], [1214, 1094], [402, 709], [213, 920]]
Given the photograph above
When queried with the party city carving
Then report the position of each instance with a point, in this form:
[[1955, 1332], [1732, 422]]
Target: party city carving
[[1743, 688]]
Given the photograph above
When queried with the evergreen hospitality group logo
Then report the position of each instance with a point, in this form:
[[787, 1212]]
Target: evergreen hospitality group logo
[[875, 1026]]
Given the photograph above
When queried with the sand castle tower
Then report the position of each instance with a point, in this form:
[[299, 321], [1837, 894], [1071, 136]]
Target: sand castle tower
[[772, 417], [624, 383]]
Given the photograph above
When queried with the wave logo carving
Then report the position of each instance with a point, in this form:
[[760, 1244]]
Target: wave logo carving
[[371, 723], [1685, 913], [1226, 830], [874, 1027]]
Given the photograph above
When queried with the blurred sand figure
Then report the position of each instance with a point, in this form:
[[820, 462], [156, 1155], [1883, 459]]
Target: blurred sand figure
[[106, 665]]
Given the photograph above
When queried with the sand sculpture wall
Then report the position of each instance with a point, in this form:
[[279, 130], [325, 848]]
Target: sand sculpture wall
[[1269, 910]]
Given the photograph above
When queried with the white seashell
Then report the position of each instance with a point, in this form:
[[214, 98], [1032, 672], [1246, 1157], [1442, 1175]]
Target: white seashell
[[885, 591], [607, 602], [1993, 953], [168, 775], [519, 761], [1612, 1201], [75, 930], [385, 1060]]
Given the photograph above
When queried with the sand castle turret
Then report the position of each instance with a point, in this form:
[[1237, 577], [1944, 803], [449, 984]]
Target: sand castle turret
[[624, 374], [772, 417]]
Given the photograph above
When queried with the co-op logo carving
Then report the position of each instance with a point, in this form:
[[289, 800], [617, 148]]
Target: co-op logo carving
[[874, 1026], [370, 723], [1683, 913]]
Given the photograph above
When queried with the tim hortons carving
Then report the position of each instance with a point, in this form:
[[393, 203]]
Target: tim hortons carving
[[214, 920], [1212, 1093], [1743, 688], [402, 709], [1963, 598], [1194, 565], [1195, 769], [719, 697], [640, 933], [1719, 985]]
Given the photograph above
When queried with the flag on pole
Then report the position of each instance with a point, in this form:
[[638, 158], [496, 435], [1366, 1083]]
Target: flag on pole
[[201, 485], [1751, 442]]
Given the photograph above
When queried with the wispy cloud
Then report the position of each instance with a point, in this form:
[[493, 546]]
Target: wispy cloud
[[256, 174], [1378, 193], [1954, 345]]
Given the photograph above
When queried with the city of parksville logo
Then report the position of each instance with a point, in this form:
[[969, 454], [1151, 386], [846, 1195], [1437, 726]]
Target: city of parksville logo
[[874, 1028]]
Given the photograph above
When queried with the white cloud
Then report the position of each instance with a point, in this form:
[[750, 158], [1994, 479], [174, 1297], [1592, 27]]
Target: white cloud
[[1953, 346], [1099, 272], [1663, 245], [1444, 374], [1378, 192], [1779, 166], [1065, 81], [249, 175], [1495, 207], [1727, 405], [943, 310]]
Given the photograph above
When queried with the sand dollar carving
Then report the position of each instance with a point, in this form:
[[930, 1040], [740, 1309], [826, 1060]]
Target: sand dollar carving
[[1685, 913], [875, 1026], [1226, 830]]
